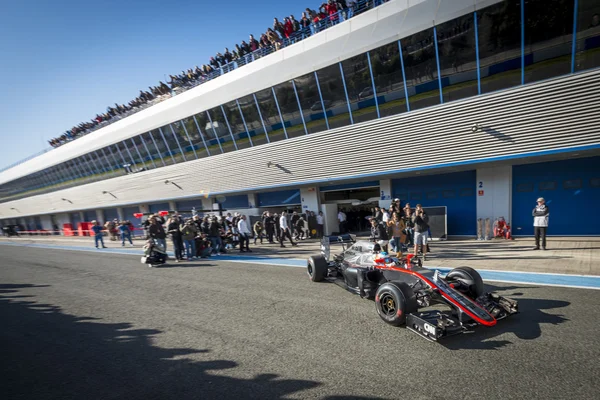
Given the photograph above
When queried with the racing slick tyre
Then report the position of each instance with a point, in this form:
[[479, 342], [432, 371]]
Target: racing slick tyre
[[393, 301], [470, 279], [317, 268]]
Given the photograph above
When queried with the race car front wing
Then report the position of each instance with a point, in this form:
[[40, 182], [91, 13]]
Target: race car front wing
[[433, 325]]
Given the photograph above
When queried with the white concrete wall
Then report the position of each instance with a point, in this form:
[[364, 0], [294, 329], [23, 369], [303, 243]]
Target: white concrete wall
[[385, 188], [309, 198], [494, 189]]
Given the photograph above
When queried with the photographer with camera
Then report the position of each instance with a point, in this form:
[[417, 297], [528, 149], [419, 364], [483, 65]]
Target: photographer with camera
[[421, 226]]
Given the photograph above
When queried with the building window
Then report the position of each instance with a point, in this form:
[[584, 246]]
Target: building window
[[500, 46], [288, 104], [360, 87], [448, 194], [595, 183], [334, 97], [456, 49], [420, 67], [547, 186], [525, 187], [431, 195], [572, 184], [588, 35], [548, 38], [466, 192], [389, 81], [311, 105]]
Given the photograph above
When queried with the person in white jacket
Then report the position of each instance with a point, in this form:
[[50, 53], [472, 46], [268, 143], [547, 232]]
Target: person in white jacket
[[540, 214], [244, 233]]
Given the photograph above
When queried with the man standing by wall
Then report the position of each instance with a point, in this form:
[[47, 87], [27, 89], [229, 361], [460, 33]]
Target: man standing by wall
[[342, 220], [320, 224], [540, 214]]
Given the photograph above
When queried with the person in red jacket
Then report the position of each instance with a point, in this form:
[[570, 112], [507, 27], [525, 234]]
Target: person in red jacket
[[288, 27]]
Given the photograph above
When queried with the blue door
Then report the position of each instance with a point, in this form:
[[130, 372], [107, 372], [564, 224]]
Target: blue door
[[456, 191], [571, 189]]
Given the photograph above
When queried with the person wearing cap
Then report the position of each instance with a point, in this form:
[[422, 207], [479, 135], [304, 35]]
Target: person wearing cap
[[410, 226], [540, 215]]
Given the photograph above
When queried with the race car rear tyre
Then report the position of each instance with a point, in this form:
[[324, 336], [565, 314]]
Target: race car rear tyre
[[470, 279], [393, 301], [316, 268]]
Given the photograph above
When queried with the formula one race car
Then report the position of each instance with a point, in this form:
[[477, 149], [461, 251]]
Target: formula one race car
[[404, 290]]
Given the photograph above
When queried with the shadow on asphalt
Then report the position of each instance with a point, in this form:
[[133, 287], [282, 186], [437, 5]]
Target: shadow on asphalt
[[527, 325], [47, 354]]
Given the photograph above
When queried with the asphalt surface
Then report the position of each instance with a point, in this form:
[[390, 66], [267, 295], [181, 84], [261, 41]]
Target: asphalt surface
[[80, 325]]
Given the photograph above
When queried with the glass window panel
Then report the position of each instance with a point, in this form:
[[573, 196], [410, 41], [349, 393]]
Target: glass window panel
[[310, 102], [162, 147], [145, 161], [153, 144], [268, 109], [387, 71], [588, 35], [195, 136], [108, 164], [289, 109], [221, 130], [209, 134], [548, 38], [458, 65], [185, 143], [499, 29], [420, 67], [172, 143], [332, 90], [360, 88], [545, 186], [237, 125], [255, 127], [132, 149]]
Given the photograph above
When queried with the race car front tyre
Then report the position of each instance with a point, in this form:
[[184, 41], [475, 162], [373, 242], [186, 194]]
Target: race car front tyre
[[469, 279], [317, 268], [393, 301]]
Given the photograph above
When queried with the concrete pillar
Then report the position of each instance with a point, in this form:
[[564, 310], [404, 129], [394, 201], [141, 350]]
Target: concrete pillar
[[309, 198], [122, 215], [385, 196], [494, 192], [144, 208], [46, 222], [252, 206], [100, 215]]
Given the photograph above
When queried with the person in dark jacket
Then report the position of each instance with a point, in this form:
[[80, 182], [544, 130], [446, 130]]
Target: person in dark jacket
[[540, 215], [214, 234], [421, 221], [269, 225], [157, 232], [378, 215], [293, 225], [173, 230], [379, 234]]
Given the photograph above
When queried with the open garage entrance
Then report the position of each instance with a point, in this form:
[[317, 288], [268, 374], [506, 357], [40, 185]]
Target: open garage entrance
[[357, 200]]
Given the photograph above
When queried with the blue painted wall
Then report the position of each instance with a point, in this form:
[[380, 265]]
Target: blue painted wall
[[154, 208], [456, 191], [571, 189], [230, 202], [111, 213], [280, 198]]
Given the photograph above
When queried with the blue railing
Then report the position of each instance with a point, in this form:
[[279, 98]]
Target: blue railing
[[329, 21]]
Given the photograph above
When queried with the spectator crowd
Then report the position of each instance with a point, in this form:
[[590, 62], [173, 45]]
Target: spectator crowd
[[281, 34]]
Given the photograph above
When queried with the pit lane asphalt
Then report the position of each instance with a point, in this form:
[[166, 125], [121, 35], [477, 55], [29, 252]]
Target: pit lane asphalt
[[78, 325]]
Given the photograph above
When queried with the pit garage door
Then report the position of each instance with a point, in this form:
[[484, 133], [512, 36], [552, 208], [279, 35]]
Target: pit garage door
[[456, 191], [571, 189]]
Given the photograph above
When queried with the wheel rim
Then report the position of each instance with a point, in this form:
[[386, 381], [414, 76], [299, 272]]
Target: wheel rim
[[388, 305], [310, 270]]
